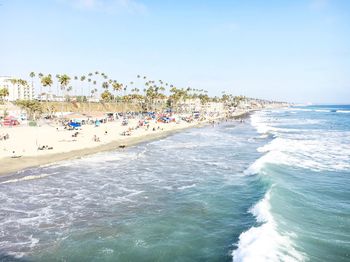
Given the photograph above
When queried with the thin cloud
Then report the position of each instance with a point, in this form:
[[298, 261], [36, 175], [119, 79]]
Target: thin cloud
[[108, 6]]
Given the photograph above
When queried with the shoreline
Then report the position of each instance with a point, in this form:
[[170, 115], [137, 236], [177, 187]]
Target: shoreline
[[10, 166], [13, 165]]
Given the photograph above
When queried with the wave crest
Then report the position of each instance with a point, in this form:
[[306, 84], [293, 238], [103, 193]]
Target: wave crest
[[265, 243]]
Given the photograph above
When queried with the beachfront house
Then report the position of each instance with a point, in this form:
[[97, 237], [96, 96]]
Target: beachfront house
[[190, 105], [214, 107], [17, 91]]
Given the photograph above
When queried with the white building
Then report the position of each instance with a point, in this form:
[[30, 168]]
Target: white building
[[215, 107], [16, 91], [190, 105]]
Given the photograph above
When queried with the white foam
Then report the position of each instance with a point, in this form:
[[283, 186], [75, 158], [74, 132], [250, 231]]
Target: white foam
[[321, 110], [186, 187], [16, 254], [265, 243], [270, 157], [106, 251], [260, 125], [187, 145], [264, 136], [319, 154], [255, 167], [311, 110], [306, 148], [33, 241], [32, 177]]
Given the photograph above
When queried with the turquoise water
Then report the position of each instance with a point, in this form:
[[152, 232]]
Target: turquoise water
[[275, 188]]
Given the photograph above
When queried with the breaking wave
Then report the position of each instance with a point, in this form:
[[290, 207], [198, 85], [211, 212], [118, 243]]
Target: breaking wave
[[264, 242]]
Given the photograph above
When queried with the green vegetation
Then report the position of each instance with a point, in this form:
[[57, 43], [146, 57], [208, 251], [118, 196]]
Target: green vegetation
[[33, 108], [4, 92]]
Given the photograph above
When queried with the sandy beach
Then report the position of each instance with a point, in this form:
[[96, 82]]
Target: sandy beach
[[21, 151]]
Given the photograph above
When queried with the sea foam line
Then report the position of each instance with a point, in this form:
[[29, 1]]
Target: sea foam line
[[25, 178], [318, 154]]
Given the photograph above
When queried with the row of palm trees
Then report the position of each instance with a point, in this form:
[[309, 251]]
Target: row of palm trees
[[99, 86], [146, 92], [99, 83]]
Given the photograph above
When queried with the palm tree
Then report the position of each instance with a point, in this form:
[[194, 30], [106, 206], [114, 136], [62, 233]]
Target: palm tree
[[4, 92], [75, 88], [116, 86], [46, 81], [82, 79], [64, 81], [32, 75], [89, 93], [94, 90], [124, 100], [89, 81], [57, 87], [105, 85], [40, 75], [69, 89], [106, 96]]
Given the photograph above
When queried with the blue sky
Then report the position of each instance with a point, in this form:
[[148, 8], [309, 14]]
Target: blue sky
[[295, 51]]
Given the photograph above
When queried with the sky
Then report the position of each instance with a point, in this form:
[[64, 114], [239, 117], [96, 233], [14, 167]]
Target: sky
[[296, 50]]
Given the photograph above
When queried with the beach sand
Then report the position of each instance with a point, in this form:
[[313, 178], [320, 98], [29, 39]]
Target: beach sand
[[24, 141]]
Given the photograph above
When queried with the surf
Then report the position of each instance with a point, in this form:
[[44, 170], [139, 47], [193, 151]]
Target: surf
[[30, 177], [264, 242]]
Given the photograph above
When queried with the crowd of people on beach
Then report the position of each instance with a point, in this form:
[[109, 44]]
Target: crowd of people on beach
[[144, 121], [103, 129]]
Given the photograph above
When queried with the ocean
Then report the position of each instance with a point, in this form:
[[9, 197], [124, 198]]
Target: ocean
[[275, 187]]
